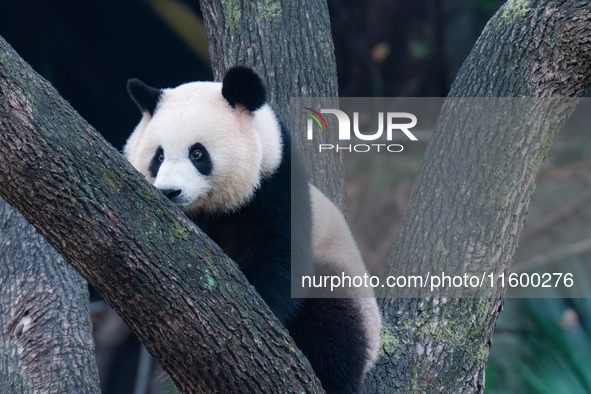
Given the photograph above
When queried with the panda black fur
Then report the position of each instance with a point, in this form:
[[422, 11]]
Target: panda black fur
[[221, 154]]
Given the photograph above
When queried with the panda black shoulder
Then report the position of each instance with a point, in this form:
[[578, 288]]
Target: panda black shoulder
[[261, 231]]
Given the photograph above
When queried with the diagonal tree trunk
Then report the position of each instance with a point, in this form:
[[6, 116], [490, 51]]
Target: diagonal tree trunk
[[471, 196], [45, 331]]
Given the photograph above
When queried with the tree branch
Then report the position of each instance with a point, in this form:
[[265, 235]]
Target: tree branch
[[470, 198], [45, 330]]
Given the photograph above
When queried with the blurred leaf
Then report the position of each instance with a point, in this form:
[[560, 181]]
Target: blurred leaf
[[555, 348], [186, 23], [380, 52], [418, 49]]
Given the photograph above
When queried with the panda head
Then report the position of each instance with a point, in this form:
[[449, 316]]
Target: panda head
[[206, 145]]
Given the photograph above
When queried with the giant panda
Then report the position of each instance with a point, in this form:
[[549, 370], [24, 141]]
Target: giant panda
[[219, 152]]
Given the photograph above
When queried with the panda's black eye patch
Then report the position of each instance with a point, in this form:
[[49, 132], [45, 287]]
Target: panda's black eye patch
[[200, 158], [156, 162]]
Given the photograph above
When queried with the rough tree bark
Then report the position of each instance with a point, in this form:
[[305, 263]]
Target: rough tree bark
[[470, 198], [50, 156], [186, 301], [289, 44], [45, 331]]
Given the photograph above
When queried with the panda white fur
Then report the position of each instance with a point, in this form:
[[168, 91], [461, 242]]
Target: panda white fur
[[219, 152]]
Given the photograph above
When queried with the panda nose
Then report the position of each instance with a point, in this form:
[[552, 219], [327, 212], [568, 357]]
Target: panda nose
[[171, 193]]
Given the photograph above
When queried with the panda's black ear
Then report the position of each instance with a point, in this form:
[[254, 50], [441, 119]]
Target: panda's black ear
[[144, 96], [242, 86]]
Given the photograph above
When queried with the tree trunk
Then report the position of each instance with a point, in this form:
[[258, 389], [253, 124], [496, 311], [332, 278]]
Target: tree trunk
[[186, 301], [45, 331], [470, 198], [289, 44]]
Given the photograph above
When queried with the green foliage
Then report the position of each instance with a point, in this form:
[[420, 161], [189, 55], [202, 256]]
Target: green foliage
[[553, 348]]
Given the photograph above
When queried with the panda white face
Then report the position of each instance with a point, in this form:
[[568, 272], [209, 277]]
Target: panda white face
[[204, 154]]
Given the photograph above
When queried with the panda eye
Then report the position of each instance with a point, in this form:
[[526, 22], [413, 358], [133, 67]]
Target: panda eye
[[200, 159], [156, 162], [196, 154]]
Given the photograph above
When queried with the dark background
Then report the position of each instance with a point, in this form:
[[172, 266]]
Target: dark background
[[89, 49]]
